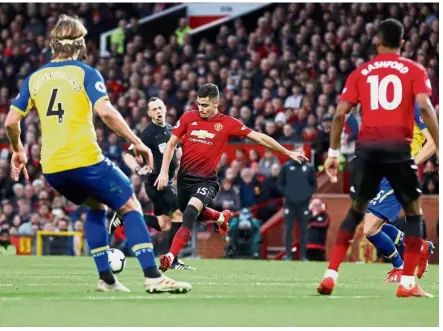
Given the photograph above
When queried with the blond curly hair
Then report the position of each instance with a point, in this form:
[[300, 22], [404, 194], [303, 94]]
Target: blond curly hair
[[68, 38]]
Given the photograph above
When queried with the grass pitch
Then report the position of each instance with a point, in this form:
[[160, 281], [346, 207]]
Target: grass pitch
[[59, 291]]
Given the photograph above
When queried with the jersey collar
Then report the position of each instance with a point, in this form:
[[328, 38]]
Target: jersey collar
[[158, 125]]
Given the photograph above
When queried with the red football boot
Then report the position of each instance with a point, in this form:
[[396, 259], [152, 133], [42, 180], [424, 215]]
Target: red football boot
[[165, 262], [224, 227], [326, 286], [427, 250], [393, 276], [416, 291]]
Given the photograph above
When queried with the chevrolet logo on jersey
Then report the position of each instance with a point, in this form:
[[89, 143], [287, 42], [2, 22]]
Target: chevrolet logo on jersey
[[202, 134]]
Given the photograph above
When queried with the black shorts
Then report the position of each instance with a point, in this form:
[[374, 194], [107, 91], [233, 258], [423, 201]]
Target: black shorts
[[367, 173], [195, 187], [164, 201]]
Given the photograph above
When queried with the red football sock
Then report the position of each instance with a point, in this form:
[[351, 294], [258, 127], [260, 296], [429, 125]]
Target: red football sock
[[209, 214], [412, 255], [341, 246], [180, 239]]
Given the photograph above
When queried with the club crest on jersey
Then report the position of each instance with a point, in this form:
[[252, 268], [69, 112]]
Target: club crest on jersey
[[100, 87], [218, 127], [202, 134]]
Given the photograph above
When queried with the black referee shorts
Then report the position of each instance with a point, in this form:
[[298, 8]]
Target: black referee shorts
[[164, 201]]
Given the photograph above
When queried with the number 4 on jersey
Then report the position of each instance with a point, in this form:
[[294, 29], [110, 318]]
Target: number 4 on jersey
[[60, 111]]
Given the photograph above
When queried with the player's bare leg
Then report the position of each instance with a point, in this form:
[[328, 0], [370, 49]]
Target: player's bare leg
[[413, 245], [372, 230], [345, 235], [140, 242], [194, 207]]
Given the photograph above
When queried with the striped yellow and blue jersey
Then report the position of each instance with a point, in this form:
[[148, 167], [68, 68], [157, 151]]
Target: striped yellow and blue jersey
[[64, 94]]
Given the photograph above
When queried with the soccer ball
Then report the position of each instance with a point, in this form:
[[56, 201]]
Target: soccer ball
[[117, 260]]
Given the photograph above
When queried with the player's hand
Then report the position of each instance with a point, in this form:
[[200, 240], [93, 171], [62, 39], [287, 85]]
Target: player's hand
[[143, 150], [18, 165], [162, 181], [297, 156], [331, 168], [144, 171]]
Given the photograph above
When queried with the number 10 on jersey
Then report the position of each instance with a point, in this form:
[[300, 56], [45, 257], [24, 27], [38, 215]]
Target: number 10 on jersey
[[60, 111], [379, 89]]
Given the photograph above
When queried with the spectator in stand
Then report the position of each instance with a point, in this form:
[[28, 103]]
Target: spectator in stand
[[182, 29], [33, 166], [430, 180], [295, 99], [297, 183], [8, 211], [269, 191], [227, 197], [114, 149], [222, 166], [248, 188], [321, 145], [267, 161], [318, 224], [6, 184], [289, 135], [6, 248]]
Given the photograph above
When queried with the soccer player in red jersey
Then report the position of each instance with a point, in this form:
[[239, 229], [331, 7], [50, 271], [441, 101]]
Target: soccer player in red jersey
[[204, 134], [386, 87]]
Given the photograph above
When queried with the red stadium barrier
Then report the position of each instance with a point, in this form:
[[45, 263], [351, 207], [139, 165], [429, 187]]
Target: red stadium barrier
[[23, 244]]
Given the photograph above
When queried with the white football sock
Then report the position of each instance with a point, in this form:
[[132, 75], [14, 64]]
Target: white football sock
[[331, 273], [407, 281], [221, 218]]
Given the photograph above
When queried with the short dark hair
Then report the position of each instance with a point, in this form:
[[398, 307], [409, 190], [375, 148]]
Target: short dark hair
[[391, 33], [208, 90], [152, 99]]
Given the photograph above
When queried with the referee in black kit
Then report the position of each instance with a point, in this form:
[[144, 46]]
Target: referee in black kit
[[167, 215]]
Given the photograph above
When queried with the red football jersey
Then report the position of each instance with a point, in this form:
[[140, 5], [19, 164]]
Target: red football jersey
[[204, 141], [386, 88]]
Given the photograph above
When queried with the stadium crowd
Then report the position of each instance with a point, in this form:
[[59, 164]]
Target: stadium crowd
[[282, 78]]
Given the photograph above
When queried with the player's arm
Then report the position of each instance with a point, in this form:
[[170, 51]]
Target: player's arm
[[115, 121], [178, 154], [13, 131], [427, 112], [20, 107], [163, 177], [348, 99], [338, 122], [427, 150], [96, 90], [131, 162]]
